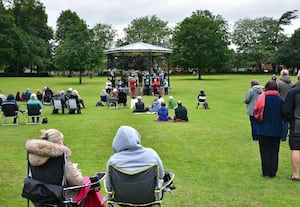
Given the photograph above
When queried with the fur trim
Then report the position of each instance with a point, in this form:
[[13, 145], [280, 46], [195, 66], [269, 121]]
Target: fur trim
[[41, 150]]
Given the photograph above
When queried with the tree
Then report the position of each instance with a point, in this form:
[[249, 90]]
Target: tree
[[102, 38], [33, 42], [258, 39], [201, 41], [150, 30], [31, 18], [73, 50], [7, 37], [288, 53]]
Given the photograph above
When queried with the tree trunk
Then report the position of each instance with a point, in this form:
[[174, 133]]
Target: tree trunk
[[199, 74], [80, 77]]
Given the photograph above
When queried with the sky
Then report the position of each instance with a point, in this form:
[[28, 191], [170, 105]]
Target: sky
[[120, 13]]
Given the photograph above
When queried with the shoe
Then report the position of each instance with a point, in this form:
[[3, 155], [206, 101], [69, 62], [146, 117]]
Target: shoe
[[268, 176], [293, 178]]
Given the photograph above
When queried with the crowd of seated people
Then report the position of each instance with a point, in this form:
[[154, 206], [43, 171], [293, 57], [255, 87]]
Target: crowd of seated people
[[65, 99], [115, 98]]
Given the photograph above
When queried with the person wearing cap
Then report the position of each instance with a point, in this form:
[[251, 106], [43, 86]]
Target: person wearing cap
[[51, 146], [32, 101]]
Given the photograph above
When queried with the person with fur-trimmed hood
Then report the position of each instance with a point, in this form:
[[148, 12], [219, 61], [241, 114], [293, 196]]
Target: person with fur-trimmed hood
[[51, 146]]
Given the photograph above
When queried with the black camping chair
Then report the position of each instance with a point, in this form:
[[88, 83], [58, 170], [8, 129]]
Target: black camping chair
[[9, 110], [122, 99], [139, 188], [45, 185]]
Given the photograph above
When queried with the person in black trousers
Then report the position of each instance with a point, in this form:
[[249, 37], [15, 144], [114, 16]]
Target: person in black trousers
[[268, 111]]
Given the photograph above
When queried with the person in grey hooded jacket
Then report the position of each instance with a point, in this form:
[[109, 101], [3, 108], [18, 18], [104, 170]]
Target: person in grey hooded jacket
[[250, 99], [130, 155]]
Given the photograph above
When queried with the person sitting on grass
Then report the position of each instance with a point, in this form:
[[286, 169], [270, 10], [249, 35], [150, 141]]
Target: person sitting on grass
[[172, 103], [163, 112], [180, 112], [139, 106], [155, 105]]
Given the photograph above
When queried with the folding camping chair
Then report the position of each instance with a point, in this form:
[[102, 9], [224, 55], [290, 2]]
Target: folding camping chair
[[139, 188], [112, 101], [57, 105], [34, 111], [45, 185], [73, 106], [9, 110]]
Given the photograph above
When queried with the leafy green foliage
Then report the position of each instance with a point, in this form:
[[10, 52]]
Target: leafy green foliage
[[201, 41], [257, 40], [150, 30], [288, 53]]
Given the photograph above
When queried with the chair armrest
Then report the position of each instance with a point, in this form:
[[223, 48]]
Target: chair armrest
[[167, 183], [100, 177]]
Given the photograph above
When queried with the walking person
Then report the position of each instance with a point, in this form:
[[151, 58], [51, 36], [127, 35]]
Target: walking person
[[268, 111], [291, 112], [250, 99]]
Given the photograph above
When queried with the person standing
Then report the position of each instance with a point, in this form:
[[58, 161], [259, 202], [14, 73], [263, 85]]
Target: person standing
[[268, 111], [166, 87], [291, 111], [132, 84], [250, 99], [284, 84]]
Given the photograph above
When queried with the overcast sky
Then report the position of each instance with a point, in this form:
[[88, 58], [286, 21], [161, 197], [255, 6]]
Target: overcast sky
[[119, 13]]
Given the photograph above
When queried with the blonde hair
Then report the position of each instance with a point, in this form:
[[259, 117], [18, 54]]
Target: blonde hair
[[52, 135], [33, 96]]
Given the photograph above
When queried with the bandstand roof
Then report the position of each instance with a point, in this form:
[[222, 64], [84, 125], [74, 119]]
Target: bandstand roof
[[138, 48]]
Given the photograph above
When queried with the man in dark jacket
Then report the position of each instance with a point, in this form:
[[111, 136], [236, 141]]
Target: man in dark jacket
[[291, 112], [180, 112]]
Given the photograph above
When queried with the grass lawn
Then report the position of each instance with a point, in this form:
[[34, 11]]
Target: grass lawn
[[213, 157]]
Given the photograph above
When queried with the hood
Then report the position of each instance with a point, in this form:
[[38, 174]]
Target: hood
[[41, 150], [258, 89], [10, 97], [286, 79], [126, 138]]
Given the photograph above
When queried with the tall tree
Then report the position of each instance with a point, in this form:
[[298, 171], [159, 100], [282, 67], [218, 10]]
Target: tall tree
[[201, 41], [73, 50], [7, 37], [288, 53], [31, 20], [103, 36], [151, 30], [258, 39]]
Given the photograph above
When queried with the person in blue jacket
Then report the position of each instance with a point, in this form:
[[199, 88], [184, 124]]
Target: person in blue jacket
[[163, 112], [268, 111]]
